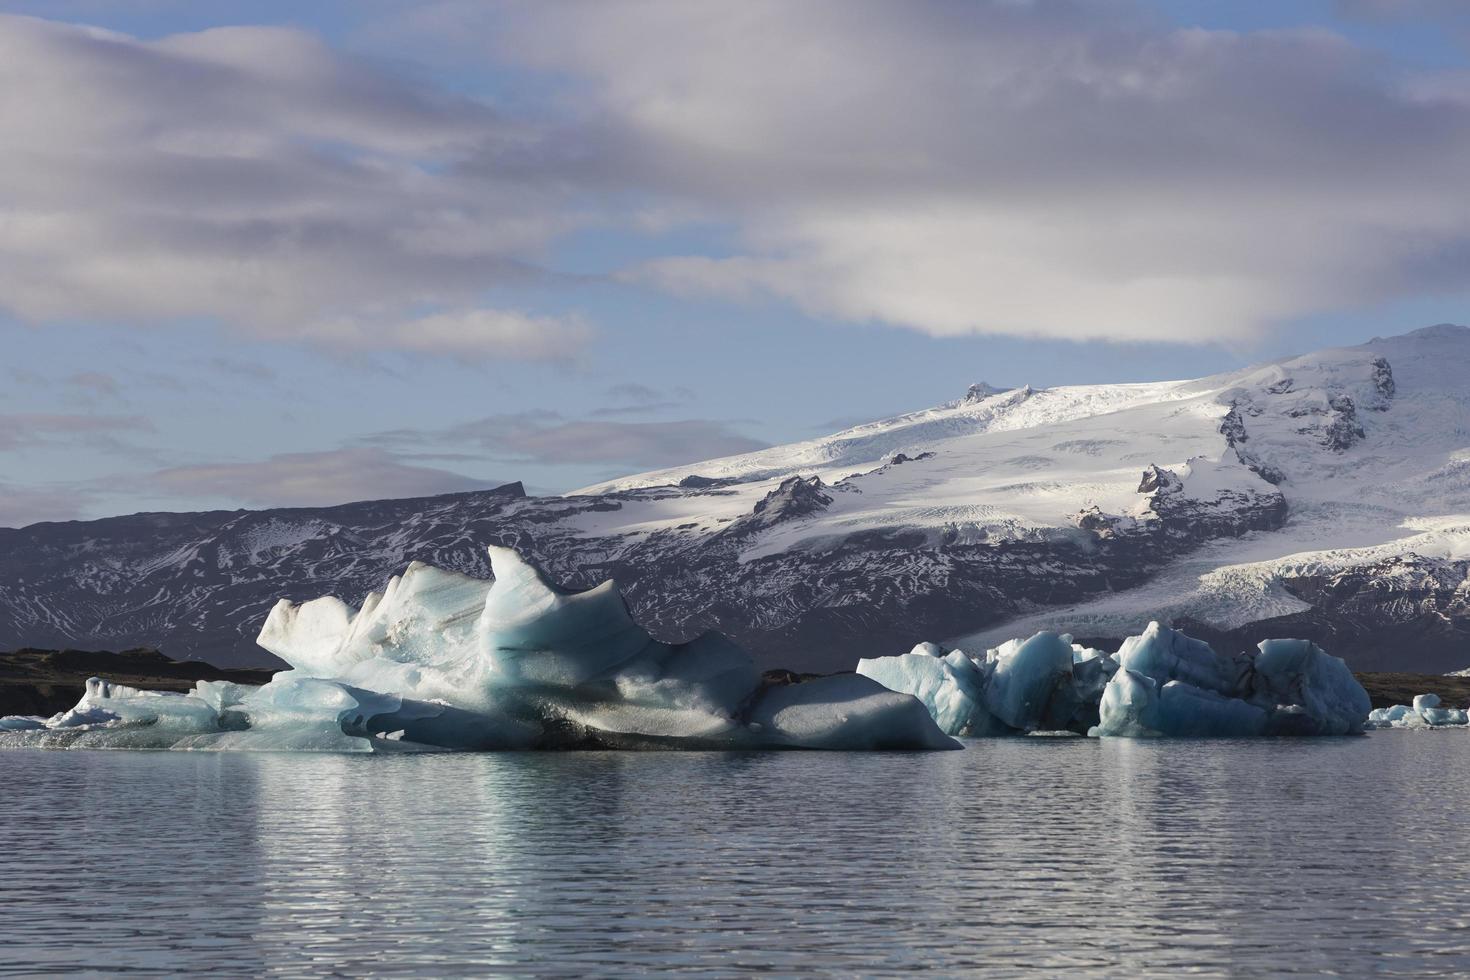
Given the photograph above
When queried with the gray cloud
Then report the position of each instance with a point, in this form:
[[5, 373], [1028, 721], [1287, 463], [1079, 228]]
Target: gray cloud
[[545, 437], [1071, 169], [469, 335], [635, 394], [243, 368], [254, 175], [1075, 169], [32, 429], [20, 506], [95, 383], [638, 399], [313, 479]]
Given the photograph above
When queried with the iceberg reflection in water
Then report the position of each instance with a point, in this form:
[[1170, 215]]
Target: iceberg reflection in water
[[1076, 857]]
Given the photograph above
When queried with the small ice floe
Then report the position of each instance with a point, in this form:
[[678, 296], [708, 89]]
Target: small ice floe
[[1425, 712]]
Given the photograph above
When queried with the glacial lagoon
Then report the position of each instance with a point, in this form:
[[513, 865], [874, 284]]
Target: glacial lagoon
[[1248, 857]]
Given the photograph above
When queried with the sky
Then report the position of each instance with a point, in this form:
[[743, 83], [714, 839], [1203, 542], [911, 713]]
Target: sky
[[282, 254]]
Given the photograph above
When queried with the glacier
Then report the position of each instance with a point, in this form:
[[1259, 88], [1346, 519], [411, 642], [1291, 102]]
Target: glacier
[[1425, 712], [444, 661], [1159, 683]]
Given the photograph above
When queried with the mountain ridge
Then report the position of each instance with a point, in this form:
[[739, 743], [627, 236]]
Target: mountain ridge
[[1332, 487]]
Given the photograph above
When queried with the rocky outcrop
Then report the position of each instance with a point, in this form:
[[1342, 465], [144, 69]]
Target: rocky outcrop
[[980, 392], [1232, 427], [1342, 430], [1384, 384]]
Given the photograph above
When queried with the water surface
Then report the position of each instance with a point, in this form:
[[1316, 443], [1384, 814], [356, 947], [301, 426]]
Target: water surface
[[1249, 858]]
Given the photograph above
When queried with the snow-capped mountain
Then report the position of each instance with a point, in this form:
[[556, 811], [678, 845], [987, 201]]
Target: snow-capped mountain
[[1324, 496]]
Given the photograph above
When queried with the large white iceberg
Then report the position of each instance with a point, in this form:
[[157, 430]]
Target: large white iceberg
[[440, 660], [1159, 683], [1425, 712]]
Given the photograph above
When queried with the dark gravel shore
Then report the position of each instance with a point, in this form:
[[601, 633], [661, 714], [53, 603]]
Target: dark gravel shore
[[1388, 689]]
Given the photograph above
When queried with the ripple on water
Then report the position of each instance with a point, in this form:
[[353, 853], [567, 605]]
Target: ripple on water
[[1052, 855]]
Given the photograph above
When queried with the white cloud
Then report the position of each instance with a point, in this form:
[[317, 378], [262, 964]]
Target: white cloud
[[1068, 169], [1075, 168], [475, 334], [254, 175]]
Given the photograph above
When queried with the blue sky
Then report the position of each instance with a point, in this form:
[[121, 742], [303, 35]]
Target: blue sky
[[273, 254]]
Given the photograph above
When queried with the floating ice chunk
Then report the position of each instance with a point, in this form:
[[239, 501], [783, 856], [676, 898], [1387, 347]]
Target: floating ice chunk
[[1424, 713], [951, 686], [1300, 674], [1395, 716], [1291, 687], [1030, 684], [536, 634], [1046, 683], [21, 723], [845, 711], [222, 695], [104, 702], [294, 701], [709, 673], [308, 636], [1189, 711], [1129, 707], [441, 660], [1441, 717], [1135, 705], [1091, 671], [1160, 683], [1169, 655]]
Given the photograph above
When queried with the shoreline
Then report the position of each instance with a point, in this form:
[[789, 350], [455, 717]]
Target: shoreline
[[43, 682]]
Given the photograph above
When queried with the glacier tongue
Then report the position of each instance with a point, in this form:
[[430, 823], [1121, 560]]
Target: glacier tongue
[[440, 660], [1159, 683]]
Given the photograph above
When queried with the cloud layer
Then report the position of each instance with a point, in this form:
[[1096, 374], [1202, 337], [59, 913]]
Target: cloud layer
[[545, 437], [1069, 169], [255, 176], [313, 479], [27, 430]]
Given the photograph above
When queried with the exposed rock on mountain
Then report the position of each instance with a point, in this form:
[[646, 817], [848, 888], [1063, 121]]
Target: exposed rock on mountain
[[1324, 496]]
